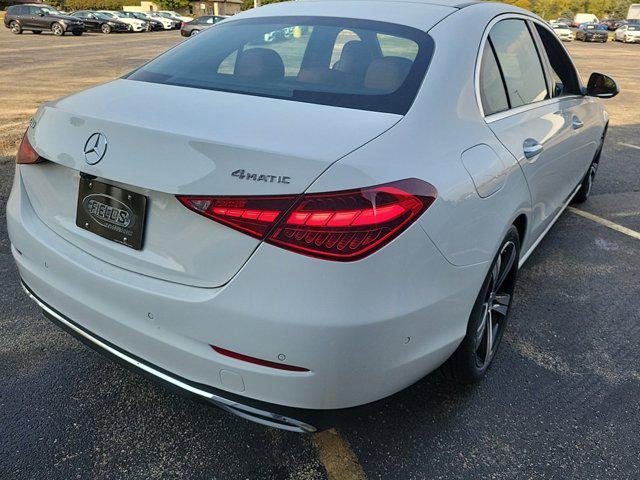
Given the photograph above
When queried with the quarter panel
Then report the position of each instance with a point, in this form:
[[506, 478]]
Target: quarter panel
[[428, 142]]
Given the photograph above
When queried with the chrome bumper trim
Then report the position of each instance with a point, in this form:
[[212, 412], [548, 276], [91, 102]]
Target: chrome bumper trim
[[245, 411]]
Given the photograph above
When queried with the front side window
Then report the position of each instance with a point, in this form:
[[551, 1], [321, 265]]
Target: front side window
[[519, 61], [331, 61], [564, 75]]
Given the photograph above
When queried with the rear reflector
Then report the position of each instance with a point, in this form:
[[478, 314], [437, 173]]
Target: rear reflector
[[258, 361], [26, 153], [341, 226]]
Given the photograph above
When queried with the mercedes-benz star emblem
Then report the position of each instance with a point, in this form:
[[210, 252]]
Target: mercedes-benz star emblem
[[95, 148]]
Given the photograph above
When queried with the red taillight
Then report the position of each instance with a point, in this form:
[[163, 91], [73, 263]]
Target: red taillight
[[258, 361], [252, 215], [183, 24], [26, 153], [341, 226]]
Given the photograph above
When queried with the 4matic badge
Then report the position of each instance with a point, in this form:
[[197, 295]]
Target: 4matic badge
[[260, 177]]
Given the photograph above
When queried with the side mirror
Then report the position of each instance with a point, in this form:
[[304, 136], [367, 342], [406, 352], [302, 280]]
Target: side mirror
[[602, 86], [41, 14]]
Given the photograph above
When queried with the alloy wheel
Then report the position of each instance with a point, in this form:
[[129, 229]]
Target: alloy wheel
[[56, 29], [496, 305], [15, 27]]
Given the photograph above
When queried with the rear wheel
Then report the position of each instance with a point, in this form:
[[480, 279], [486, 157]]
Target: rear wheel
[[57, 29], [194, 32], [489, 316], [587, 181], [15, 28], [105, 28]]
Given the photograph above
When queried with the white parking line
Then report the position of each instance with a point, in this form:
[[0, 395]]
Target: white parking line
[[629, 145], [606, 223]]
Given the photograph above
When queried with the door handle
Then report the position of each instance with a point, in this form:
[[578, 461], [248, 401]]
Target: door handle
[[576, 123], [531, 148]]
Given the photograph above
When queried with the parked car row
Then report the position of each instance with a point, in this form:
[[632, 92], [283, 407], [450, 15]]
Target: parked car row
[[594, 32], [610, 24], [38, 18]]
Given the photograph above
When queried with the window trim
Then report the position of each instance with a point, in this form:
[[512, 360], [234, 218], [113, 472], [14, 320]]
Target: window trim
[[534, 34]]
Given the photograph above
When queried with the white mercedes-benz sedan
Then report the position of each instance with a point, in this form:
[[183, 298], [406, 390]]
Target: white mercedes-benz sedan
[[315, 222]]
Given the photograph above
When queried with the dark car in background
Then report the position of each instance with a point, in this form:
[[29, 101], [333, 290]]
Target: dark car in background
[[592, 32], [99, 22], [38, 18], [154, 25], [201, 23], [611, 23]]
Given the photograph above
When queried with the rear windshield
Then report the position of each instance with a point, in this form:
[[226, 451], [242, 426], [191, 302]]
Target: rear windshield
[[331, 61]]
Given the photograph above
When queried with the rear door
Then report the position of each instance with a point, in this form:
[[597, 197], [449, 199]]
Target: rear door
[[528, 121], [32, 19], [580, 111]]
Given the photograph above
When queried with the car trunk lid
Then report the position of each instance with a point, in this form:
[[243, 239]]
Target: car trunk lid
[[165, 140]]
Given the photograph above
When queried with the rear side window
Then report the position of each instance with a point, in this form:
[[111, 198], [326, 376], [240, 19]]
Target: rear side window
[[492, 91], [342, 62], [519, 61]]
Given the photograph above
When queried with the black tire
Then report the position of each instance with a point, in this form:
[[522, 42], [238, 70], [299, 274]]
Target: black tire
[[194, 32], [36, 32], [105, 28], [587, 181], [77, 33], [474, 356], [589, 177], [15, 27], [57, 29]]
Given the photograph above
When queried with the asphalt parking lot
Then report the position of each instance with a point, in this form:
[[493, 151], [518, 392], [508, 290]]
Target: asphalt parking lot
[[560, 402]]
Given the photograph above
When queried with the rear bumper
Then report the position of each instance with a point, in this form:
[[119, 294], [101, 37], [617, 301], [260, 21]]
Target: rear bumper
[[287, 418]]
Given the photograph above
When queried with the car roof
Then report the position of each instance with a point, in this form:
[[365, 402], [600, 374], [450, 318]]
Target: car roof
[[419, 14]]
